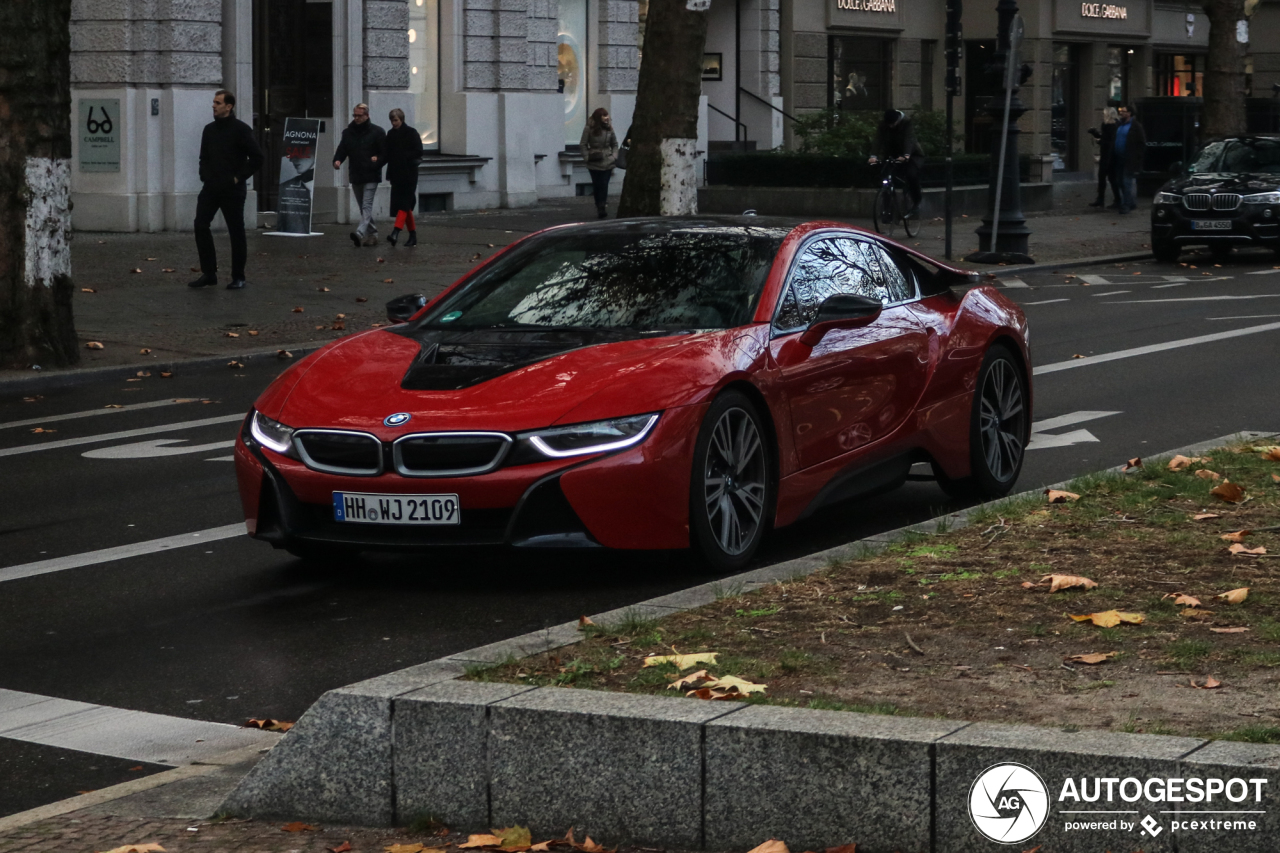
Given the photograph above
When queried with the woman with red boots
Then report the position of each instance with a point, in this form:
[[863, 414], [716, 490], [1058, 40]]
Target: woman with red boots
[[403, 152]]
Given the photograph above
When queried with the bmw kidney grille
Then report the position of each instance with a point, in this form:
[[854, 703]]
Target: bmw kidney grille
[[449, 454]]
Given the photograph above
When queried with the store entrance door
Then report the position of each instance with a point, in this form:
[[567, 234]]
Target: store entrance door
[[1063, 129], [292, 78]]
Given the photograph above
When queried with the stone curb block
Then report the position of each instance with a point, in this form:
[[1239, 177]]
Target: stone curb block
[[656, 770]]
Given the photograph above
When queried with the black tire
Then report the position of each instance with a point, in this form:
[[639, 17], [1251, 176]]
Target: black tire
[[885, 209], [733, 490], [1166, 251], [910, 224], [999, 430]]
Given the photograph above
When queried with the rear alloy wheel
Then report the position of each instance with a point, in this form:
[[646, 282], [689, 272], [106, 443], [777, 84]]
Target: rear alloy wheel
[[731, 499], [999, 429]]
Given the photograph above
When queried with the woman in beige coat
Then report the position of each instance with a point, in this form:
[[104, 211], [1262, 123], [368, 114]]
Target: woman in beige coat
[[600, 149]]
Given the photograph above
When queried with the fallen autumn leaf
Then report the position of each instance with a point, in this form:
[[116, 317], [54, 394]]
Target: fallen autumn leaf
[[1092, 658], [1110, 618], [1228, 630], [1229, 492], [1241, 550], [1057, 496], [681, 661], [1235, 596], [94, 345], [298, 826], [1067, 582]]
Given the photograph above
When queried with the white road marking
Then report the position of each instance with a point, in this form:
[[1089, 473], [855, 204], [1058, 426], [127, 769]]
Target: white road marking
[[111, 436], [95, 412], [1069, 420], [1113, 293], [1044, 442], [1171, 284], [154, 448], [132, 735], [121, 552], [1263, 272], [1013, 283], [1168, 345], [1046, 302], [1222, 298], [221, 459], [1245, 317], [1041, 440], [1093, 279], [1174, 278]]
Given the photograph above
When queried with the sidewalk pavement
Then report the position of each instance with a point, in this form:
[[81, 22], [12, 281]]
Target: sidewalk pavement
[[131, 294]]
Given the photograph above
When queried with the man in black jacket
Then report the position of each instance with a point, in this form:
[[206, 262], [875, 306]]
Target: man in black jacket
[[896, 141], [1128, 151], [228, 158], [363, 142]]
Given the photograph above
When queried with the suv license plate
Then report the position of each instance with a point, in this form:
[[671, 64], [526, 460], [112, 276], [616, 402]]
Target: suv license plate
[[1211, 224], [368, 508]]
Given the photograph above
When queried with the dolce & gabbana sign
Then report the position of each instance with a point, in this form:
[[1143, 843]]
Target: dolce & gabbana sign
[[861, 14], [1103, 19]]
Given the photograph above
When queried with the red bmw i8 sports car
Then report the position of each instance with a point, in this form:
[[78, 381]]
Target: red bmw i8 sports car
[[644, 384]]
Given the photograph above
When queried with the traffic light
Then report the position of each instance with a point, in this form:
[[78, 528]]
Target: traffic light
[[955, 45]]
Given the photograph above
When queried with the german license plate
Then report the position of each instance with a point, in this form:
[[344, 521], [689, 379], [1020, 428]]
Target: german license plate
[[1211, 224], [396, 509]]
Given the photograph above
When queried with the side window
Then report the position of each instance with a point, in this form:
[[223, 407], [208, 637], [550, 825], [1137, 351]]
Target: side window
[[839, 265]]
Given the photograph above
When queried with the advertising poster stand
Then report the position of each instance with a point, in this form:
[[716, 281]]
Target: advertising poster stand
[[297, 179]]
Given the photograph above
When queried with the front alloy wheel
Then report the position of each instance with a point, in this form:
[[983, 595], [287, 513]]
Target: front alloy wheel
[[732, 492]]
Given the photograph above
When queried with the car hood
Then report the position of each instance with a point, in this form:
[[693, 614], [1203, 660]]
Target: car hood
[[501, 379], [1225, 182]]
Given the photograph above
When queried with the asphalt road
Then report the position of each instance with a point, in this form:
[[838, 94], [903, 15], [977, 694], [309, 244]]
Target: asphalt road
[[228, 629]]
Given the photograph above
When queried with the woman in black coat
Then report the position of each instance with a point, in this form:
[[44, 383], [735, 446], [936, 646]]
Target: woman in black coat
[[403, 152], [1106, 140]]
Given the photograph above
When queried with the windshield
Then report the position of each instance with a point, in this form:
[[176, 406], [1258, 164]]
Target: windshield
[[1258, 156], [706, 278]]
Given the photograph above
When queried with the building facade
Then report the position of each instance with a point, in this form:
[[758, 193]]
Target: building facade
[[880, 54], [499, 89]]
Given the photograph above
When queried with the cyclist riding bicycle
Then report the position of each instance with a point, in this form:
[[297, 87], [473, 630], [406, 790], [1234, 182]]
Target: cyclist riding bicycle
[[896, 140]]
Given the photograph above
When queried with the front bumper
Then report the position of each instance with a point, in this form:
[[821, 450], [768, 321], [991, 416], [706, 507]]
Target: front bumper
[[1250, 224], [637, 498]]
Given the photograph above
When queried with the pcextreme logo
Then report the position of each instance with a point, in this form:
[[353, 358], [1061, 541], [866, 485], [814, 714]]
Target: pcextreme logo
[[1008, 803]]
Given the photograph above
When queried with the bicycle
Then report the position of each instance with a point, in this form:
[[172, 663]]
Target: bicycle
[[893, 203]]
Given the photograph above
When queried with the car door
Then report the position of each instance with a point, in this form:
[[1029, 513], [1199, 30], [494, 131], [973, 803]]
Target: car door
[[856, 385]]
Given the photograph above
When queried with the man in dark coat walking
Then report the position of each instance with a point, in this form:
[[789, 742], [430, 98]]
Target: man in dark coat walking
[[1127, 153], [228, 158], [363, 142]]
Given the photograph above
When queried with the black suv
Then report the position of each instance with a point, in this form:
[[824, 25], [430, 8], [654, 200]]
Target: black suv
[[1229, 195]]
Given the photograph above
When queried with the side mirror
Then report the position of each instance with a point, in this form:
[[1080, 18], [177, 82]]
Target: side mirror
[[400, 309], [842, 311], [1175, 168]]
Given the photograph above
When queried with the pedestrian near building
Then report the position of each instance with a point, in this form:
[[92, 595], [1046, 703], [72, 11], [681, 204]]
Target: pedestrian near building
[[599, 146], [1106, 139], [228, 158], [403, 153], [363, 143], [1130, 148], [896, 140]]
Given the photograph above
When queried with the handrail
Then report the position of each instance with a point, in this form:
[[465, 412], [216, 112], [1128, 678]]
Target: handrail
[[766, 103], [732, 119]]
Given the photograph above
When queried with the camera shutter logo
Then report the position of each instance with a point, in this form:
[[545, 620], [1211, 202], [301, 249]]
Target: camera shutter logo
[[1008, 803]]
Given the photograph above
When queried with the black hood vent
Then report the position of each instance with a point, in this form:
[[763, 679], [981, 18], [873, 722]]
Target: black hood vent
[[449, 361]]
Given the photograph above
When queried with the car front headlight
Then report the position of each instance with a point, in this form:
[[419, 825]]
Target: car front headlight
[[1167, 198], [594, 437], [271, 434], [1262, 198]]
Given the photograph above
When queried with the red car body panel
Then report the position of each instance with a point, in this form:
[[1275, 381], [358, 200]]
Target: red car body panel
[[903, 385]]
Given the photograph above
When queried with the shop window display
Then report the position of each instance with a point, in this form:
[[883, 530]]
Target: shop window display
[[424, 69], [572, 71], [859, 72]]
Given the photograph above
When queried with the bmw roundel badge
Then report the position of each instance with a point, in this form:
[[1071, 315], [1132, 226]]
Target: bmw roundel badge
[[398, 419]]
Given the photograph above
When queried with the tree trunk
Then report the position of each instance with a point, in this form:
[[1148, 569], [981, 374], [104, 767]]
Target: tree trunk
[[1224, 110], [661, 177], [35, 184]]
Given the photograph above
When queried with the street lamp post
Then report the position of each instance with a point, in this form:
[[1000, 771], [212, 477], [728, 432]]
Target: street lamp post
[[1004, 215]]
